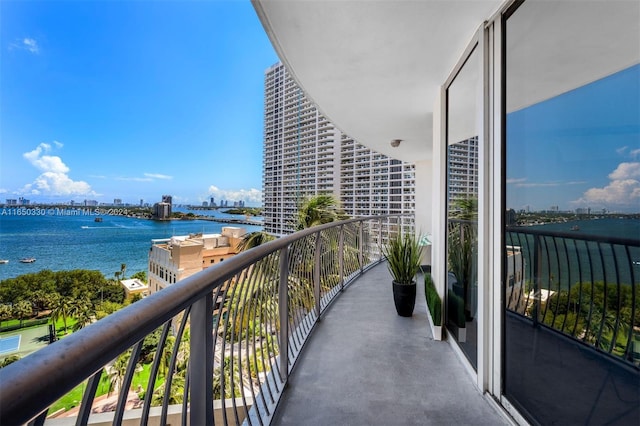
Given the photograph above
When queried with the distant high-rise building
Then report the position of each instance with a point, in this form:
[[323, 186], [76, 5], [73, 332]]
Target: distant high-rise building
[[212, 202], [162, 210], [304, 154], [11, 202], [117, 202]]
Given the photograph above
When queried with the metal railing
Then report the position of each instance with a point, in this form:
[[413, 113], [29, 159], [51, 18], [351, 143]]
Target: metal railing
[[583, 286], [227, 337]]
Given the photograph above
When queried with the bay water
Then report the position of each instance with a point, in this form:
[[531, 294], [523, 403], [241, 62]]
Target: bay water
[[63, 242]]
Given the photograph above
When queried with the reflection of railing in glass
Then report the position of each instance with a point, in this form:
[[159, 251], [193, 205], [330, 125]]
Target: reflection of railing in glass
[[585, 287], [462, 262]]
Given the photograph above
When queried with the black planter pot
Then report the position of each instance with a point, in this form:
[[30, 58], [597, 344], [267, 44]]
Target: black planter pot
[[404, 296]]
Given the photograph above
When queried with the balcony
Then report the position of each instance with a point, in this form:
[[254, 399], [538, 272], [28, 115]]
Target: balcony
[[365, 365], [264, 304]]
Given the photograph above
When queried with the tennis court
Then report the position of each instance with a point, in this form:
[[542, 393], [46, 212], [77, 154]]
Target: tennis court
[[10, 344]]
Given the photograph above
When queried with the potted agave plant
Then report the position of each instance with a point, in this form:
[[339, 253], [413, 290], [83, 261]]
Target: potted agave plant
[[403, 253]]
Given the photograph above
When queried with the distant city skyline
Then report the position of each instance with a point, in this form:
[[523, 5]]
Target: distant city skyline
[[131, 100]]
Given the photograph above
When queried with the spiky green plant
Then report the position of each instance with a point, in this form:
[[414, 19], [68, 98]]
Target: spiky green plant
[[403, 254]]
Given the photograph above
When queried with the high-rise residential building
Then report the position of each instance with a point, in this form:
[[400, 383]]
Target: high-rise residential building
[[305, 154], [462, 162]]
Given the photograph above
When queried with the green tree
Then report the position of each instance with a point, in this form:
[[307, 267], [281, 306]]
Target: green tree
[[123, 270], [318, 210], [9, 360], [6, 313], [141, 275], [62, 309], [22, 310], [254, 239], [82, 310]]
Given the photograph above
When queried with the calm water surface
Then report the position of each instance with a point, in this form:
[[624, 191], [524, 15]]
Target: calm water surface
[[78, 242]]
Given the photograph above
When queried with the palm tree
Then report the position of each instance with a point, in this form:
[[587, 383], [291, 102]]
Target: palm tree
[[22, 310], [123, 269], [317, 210], [254, 239], [82, 311], [62, 309]]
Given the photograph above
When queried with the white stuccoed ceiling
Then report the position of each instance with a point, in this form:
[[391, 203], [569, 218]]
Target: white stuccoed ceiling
[[374, 68]]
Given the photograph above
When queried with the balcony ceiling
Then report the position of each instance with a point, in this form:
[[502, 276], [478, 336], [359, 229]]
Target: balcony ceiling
[[374, 68]]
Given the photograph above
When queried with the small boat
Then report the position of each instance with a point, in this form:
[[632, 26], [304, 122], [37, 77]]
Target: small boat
[[27, 260], [575, 228], [3, 261], [97, 219]]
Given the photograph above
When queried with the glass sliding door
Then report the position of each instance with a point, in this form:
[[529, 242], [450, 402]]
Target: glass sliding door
[[462, 205], [571, 187]]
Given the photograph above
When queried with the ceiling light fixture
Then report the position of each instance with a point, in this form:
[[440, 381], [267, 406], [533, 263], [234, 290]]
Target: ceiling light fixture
[[395, 142]]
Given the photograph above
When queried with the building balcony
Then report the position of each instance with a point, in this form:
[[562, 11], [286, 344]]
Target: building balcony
[[365, 365]]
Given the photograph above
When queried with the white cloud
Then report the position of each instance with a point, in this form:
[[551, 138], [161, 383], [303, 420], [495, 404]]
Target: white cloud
[[54, 179], [626, 171], [46, 163], [135, 179], [635, 153], [158, 176], [3, 191], [247, 195], [622, 192], [522, 183], [516, 180], [29, 44]]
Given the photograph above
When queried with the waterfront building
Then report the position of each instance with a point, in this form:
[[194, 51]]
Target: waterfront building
[[134, 286], [304, 154], [173, 259]]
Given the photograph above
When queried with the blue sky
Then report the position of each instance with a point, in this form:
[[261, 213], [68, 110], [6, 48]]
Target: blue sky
[[131, 100], [580, 149]]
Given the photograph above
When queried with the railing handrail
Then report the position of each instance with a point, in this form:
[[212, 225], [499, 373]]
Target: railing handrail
[[56, 369], [573, 235]]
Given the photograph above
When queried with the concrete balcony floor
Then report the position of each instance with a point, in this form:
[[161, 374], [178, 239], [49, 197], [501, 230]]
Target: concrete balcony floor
[[365, 365]]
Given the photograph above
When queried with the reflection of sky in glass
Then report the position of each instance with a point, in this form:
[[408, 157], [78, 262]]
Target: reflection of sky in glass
[[578, 149]]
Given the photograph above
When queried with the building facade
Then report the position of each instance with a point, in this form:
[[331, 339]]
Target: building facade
[[304, 154], [515, 105], [173, 259]]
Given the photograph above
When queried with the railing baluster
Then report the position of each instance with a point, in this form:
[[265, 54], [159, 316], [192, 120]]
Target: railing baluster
[[283, 308], [87, 398], [316, 274], [341, 257], [126, 383], [201, 355], [271, 303]]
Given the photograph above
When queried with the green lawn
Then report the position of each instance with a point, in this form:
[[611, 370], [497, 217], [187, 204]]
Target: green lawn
[[74, 397]]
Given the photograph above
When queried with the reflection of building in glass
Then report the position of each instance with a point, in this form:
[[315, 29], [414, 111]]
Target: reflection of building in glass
[[304, 154], [463, 170], [175, 258], [516, 296]]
